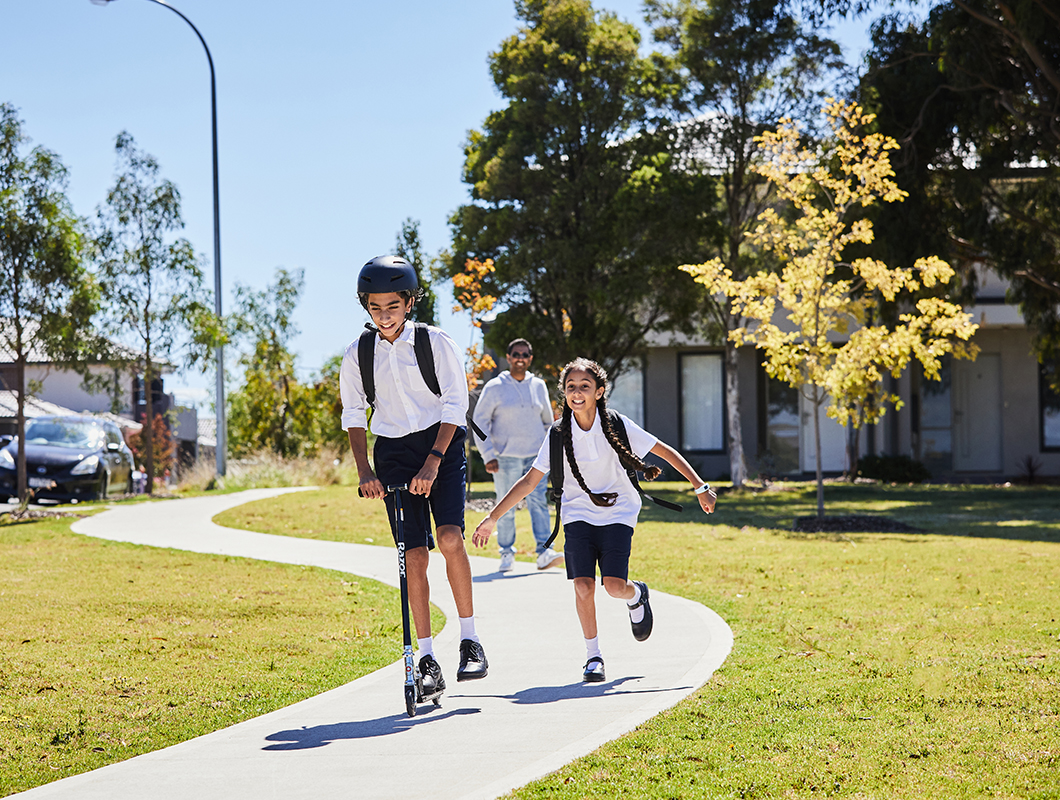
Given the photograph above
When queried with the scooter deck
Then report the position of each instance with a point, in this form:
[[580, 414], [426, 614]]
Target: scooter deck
[[435, 698]]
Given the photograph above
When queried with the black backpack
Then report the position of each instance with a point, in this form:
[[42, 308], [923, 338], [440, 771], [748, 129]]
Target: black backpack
[[421, 344], [556, 457]]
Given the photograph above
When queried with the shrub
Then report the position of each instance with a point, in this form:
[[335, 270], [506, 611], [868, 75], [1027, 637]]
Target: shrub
[[893, 469], [266, 469]]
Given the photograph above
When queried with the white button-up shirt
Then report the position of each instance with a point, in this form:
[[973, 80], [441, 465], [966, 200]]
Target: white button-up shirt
[[403, 403], [603, 472]]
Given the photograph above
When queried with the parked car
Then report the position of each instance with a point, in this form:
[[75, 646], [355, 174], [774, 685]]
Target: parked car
[[69, 458]]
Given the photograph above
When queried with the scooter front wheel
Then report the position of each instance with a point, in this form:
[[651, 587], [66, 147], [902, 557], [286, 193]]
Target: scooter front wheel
[[410, 700]]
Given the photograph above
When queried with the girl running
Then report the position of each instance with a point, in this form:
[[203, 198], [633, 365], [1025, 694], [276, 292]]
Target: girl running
[[599, 505]]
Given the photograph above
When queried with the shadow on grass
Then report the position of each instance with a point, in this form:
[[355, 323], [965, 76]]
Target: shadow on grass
[[1018, 513]]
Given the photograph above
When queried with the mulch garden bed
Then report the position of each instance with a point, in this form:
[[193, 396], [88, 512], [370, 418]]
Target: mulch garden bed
[[39, 513], [852, 524]]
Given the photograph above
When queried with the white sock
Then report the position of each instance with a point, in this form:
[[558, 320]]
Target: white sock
[[635, 614], [467, 629], [592, 648], [426, 646]]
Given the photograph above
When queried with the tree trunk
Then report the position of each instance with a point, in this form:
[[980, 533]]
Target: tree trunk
[[737, 463], [22, 484], [148, 435], [817, 444]]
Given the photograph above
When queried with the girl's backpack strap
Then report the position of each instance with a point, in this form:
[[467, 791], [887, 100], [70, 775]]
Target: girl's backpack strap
[[555, 473], [620, 428]]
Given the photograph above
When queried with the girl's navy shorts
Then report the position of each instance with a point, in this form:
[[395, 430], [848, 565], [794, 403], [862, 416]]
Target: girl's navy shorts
[[586, 545], [398, 460]]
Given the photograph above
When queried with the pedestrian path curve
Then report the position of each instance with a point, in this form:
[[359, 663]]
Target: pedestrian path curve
[[529, 717]]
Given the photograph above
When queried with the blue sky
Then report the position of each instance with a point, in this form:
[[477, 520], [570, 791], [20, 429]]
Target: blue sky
[[337, 120]]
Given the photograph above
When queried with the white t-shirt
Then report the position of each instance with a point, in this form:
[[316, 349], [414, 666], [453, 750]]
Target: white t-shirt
[[602, 471]]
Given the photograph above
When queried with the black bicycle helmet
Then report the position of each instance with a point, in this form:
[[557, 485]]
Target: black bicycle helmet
[[387, 274]]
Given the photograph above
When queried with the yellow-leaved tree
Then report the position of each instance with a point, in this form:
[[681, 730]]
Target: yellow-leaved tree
[[815, 320]]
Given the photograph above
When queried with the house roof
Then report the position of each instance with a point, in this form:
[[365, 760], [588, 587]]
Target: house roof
[[34, 407], [207, 430], [42, 408], [37, 355]]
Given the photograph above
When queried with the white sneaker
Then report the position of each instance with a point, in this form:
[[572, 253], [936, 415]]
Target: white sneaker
[[549, 558], [507, 562]]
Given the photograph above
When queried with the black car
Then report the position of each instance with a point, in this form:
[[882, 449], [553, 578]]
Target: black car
[[69, 458]]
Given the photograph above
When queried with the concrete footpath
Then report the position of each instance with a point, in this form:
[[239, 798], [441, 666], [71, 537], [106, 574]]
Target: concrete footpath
[[529, 717]]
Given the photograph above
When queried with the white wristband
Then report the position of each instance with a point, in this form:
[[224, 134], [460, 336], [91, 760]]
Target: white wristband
[[703, 489]]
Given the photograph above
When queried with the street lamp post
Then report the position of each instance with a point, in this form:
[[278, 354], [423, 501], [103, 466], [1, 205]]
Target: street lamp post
[[222, 433]]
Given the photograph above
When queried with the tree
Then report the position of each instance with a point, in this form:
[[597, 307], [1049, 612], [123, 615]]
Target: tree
[[155, 292], [972, 95], [822, 296], [467, 287], [578, 197], [409, 247], [163, 447], [47, 298], [262, 410], [273, 410], [742, 65]]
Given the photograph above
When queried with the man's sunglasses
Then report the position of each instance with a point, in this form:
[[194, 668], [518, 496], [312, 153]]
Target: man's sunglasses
[[521, 355]]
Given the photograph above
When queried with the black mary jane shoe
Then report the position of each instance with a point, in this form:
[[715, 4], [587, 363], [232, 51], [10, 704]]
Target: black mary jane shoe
[[594, 670], [642, 629]]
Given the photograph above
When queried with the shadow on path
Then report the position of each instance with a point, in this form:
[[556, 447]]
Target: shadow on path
[[323, 735], [574, 691]]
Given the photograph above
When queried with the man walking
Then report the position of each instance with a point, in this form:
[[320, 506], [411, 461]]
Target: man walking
[[515, 414]]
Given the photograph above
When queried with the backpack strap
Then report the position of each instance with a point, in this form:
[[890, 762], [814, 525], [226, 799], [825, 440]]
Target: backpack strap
[[421, 343], [620, 429], [555, 473], [366, 361]]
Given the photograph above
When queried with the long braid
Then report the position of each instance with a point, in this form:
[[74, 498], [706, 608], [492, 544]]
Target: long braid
[[629, 459], [607, 498]]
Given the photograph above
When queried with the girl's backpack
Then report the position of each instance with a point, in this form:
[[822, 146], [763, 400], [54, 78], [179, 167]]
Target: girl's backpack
[[556, 456]]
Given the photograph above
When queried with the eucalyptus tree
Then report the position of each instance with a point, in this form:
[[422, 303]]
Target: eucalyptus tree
[[47, 298], [156, 300]]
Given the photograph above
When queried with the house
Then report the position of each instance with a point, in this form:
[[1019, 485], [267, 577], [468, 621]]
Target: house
[[63, 388], [991, 419]]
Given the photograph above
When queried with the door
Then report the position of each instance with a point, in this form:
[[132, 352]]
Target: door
[[833, 438], [977, 414]]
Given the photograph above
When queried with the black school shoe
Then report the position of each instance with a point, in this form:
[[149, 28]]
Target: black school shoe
[[431, 676], [473, 664], [642, 629], [594, 670]]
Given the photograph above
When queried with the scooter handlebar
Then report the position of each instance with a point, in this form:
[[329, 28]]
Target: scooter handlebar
[[402, 488]]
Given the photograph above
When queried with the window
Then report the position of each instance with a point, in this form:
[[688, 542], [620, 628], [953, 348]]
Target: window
[[702, 402], [627, 394], [782, 426], [1049, 407], [936, 419]]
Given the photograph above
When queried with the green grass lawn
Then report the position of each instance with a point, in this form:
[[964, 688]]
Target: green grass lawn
[[872, 665], [109, 650]]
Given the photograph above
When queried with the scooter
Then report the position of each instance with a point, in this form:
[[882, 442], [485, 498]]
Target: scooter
[[413, 681]]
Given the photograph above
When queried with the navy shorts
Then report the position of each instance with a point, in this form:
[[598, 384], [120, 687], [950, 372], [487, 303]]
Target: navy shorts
[[398, 460], [586, 545]]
